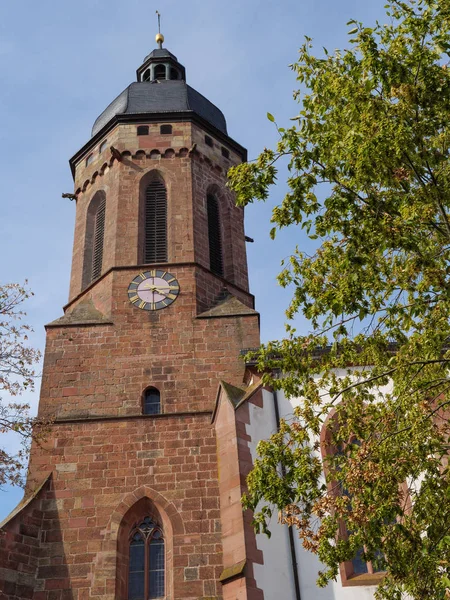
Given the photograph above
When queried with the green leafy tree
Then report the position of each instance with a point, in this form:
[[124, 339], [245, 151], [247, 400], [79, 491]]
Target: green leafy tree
[[369, 180], [17, 374]]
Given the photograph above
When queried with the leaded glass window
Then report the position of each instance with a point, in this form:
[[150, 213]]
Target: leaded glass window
[[146, 569], [136, 577]]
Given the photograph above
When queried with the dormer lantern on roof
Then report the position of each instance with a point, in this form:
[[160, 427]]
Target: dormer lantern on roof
[[160, 65]]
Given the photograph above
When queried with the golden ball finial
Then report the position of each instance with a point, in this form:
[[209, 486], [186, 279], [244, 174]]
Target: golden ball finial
[[159, 38]]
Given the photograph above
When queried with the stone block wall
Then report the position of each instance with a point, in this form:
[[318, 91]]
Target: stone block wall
[[110, 464]]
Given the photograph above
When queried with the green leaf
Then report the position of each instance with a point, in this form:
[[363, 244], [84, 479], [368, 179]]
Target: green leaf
[[271, 117], [367, 178]]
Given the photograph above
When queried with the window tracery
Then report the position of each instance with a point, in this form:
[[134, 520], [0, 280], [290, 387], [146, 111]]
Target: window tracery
[[146, 567]]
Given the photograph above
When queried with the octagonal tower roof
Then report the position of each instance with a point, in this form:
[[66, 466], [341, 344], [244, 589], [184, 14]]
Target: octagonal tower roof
[[160, 88]]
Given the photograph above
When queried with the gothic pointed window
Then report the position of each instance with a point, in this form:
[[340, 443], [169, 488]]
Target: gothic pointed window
[[94, 238], [152, 401], [357, 566], [155, 244], [146, 566], [214, 236]]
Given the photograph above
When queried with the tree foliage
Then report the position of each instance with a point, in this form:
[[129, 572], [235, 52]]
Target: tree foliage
[[369, 180], [17, 374]]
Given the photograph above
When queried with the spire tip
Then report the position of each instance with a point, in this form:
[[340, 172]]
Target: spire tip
[[159, 36]]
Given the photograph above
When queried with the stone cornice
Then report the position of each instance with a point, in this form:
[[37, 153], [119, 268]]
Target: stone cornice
[[169, 117], [140, 155]]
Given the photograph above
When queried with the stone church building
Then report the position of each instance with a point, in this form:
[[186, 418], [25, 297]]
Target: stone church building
[[135, 494]]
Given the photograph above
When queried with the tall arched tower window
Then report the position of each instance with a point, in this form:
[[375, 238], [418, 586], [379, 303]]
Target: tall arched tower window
[[94, 239], [155, 244], [214, 235], [146, 567]]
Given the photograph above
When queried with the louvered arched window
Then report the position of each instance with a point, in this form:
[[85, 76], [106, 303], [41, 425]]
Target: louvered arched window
[[146, 567], [94, 239], [99, 236], [155, 245], [214, 236]]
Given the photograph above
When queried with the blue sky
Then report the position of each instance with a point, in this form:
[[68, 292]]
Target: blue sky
[[61, 64]]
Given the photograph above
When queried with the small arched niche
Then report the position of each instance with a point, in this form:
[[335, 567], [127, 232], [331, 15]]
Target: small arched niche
[[151, 401]]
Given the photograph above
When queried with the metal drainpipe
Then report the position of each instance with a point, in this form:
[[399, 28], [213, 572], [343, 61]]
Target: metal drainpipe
[[290, 532]]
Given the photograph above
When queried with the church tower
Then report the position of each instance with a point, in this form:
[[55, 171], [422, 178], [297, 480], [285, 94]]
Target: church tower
[[135, 492]]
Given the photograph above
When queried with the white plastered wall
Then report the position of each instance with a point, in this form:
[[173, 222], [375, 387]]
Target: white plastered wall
[[275, 576]]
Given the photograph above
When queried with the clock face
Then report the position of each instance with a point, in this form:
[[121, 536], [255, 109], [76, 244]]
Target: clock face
[[153, 290]]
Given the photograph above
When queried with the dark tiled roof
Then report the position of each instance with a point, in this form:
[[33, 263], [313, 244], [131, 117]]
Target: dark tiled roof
[[167, 96], [160, 53]]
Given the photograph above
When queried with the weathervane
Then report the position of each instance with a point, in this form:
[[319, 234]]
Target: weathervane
[[159, 36]]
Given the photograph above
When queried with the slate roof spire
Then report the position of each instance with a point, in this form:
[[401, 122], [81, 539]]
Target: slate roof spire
[[159, 36]]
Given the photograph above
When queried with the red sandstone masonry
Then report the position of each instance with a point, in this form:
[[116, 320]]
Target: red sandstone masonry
[[188, 178], [92, 495], [110, 463], [235, 462], [20, 549], [103, 370]]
